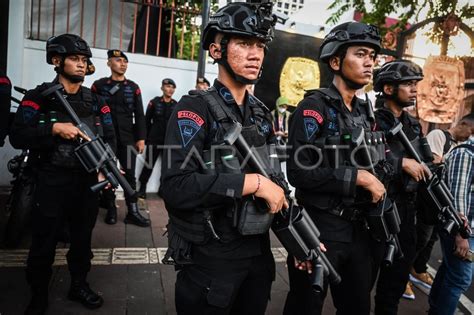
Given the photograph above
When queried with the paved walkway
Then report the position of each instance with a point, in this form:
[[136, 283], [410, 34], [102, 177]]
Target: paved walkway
[[128, 274]]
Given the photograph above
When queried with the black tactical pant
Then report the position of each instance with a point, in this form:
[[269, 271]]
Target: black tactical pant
[[353, 262], [127, 157], [224, 287], [62, 198], [392, 280], [152, 152]]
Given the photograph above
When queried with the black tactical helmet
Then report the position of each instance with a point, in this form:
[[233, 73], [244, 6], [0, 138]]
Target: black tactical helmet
[[395, 72], [64, 45], [240, 18], [349, 34]]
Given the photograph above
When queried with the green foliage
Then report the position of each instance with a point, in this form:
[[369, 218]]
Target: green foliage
[[192, 33], [411, 8]]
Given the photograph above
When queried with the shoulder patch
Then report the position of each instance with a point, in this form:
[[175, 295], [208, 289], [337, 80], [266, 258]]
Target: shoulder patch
[[189, 124], [192, 116], [310, 126], [4, 80], [226, 95], [28, 114], [314, 114], [138, 92], [31, 104], [106, 116]]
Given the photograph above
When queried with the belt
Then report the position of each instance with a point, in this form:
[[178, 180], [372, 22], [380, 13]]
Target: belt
[[349, 214]]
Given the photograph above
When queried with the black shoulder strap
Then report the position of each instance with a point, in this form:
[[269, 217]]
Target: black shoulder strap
[[87, 95], [326, 92], [447, 144], [217, 107], [88, 98]]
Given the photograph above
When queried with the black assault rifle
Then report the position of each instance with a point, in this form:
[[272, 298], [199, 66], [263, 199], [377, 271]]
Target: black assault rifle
[[383, 218], [293, 226], [435, 192], [94, 153]]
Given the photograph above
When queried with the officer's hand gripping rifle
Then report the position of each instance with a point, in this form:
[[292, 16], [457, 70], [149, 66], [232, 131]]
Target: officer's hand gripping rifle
[[383, 219], [434, 191], [293, 226], [94, 153]]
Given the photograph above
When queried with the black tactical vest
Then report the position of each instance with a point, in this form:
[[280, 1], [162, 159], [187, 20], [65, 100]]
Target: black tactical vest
[[194, 226], [412, 128], [62, 155], [337, 141], [335, 144], [122, 94]]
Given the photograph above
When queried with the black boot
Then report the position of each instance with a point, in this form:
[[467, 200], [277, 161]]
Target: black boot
[[39, 301], [111, 216], [134, 216], [81, 292]]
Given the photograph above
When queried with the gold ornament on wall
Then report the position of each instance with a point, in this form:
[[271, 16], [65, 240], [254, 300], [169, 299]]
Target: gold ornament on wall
[[298, 74], [441, 91]]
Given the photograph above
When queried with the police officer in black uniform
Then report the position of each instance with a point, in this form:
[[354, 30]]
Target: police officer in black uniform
[[396, 82], [222, 271], [63, 191], [157, 115], [325, 117], [125, 100], [5, 103]]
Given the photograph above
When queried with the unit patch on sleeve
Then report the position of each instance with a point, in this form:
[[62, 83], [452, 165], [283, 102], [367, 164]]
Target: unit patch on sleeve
[[312, 121], [310, 126], [106, 116], [314, 114], [189, 124], [29, 109]]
